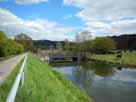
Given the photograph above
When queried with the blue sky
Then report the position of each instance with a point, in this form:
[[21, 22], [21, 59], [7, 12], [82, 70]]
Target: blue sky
[[53, 10], [60, 19]]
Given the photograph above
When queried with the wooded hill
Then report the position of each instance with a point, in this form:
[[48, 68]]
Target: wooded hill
[[125, 42], [46, 44]]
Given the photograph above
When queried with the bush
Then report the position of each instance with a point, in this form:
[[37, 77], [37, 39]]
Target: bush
[[2, 36], [4, 48], [9, 47]]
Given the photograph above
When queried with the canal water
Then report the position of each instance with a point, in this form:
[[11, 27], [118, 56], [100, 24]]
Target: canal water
[[102, 82]]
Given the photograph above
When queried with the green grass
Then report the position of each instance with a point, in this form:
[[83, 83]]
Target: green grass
[[6, 86], [43, 84], [127, 58]]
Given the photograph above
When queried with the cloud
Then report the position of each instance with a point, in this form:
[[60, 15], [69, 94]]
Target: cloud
[[37, 29], [105, 8], [30, 1], [105, 16], [126, 26]]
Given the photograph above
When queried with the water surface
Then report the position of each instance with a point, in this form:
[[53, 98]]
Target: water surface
[[102, 82]]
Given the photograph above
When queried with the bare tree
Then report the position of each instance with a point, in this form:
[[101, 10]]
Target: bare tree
[[66, 44], [83, 36]]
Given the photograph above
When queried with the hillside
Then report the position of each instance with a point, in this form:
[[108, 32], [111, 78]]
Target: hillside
[[45, 44]]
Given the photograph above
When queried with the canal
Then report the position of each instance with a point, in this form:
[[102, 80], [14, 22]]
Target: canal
[[102, 82]]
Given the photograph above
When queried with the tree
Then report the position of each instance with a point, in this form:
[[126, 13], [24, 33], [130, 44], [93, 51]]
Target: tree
[[9, 46], [66, 45], [18, 48], [4, 48], [86, 46], [2, 35], [100, 44], [25, 40], [83, 41], [83, 36], [103, 44], [59, 46]]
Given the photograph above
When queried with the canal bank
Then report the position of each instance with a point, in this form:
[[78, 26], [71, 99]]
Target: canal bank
[[127, 60], [44, 84]]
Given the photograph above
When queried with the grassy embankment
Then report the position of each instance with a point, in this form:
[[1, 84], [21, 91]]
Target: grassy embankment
[[128, 59], [43, 84]]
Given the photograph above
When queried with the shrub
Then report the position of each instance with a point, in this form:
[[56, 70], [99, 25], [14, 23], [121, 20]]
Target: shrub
[[103, 44], [9, 47]]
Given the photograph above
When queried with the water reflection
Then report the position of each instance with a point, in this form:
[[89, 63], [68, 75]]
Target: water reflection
[[103, 82], [83, 76], [100, 69]]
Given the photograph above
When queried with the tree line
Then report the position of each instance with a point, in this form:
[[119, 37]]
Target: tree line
[[125, 42], [98, 45], [85, 43]]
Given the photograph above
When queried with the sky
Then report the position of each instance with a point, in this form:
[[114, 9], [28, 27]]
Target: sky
[[60, 19]]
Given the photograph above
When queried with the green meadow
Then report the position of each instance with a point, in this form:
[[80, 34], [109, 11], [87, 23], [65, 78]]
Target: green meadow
[[127, 58]]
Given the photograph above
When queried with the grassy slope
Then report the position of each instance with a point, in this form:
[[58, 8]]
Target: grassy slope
[[43, 84], [6, 86], [127, 58]]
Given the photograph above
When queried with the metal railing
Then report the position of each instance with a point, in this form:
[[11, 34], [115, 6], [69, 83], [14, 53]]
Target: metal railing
[[20, 77]]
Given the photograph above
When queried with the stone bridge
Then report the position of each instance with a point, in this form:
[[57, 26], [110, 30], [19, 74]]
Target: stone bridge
[[66, 56]]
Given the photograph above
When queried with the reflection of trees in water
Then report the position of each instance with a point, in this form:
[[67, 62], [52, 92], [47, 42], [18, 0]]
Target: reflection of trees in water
[[83, 77], [100, 69]]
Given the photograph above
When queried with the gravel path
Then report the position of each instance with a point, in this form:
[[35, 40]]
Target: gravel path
[[7, 66]]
